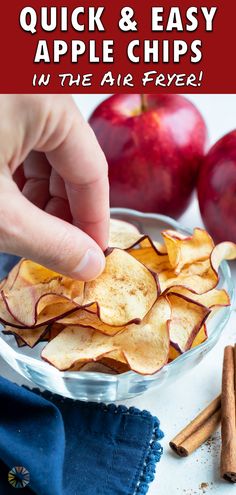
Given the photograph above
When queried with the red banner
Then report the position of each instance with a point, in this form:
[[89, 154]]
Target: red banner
[[114, 47]]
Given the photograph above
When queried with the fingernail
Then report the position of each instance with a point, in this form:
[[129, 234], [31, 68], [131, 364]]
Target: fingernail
[[90, 266]]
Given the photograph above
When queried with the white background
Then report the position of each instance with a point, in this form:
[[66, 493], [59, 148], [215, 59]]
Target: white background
[[178, 404]]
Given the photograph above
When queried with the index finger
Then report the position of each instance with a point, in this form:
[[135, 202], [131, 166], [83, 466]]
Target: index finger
[[80, 161]]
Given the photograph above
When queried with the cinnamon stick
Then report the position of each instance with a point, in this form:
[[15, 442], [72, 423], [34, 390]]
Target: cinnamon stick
[[228, 426], [199, 430]]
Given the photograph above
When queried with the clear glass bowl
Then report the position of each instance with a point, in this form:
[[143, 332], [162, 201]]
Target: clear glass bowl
[[96, 386]]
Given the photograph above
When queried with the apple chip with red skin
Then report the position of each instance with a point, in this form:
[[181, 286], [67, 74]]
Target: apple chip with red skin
[[38, 295], [199, 339], [86, 318], [19, 341], [116, 361], [124, 292], [32, 274], [123, 234], [214, 298], [120, 320], [144, 347], [202, 276], [29, 336], [187, 317], [8, 282], [38, 304], [94, 367], [194, 277], [151, 258], [183, 250], [198, 277]]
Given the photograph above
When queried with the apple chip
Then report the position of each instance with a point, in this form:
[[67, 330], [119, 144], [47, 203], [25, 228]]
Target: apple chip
[[151, 258], [123, 234], [121, 226], [223, 251], [145, 347], [30, 336], [10, 279], [183, 250], [88, 319], [197, 277], [36, 288], [199, 339], [124, 292], [5, 316], [31, 274], [54, 329], [149, 305], [96, 367], [76, 344], [161, 248], [32, 306], [211, 299], [116, 361], [19, 341], [200, 277], [187, 317]]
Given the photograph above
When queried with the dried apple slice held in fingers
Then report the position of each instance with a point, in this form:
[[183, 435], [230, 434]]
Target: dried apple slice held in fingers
[[125, 235], [187, 317], [122, 234], [118, 226], [144, 347], [183, 250], [124, 292]]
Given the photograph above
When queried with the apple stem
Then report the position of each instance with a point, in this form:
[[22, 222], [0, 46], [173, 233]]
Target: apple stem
[[144, 105]]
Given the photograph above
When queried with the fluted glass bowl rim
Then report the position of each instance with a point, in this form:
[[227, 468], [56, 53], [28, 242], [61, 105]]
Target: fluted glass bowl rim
[[187, 356]]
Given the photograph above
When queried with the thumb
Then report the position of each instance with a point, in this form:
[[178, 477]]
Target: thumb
[[30, 232]]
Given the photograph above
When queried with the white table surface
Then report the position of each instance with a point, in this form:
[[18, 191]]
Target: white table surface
[[177, 404]]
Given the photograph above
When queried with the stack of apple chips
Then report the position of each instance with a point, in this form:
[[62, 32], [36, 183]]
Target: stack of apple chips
[[151, 303]]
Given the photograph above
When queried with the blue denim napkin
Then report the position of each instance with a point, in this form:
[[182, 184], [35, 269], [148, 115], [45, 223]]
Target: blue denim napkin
[[55, 446]]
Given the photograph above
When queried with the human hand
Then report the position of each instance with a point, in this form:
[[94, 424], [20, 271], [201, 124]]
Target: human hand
[[61, 217]]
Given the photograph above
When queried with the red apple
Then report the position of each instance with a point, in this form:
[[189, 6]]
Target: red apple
[[154, 149], [217, 189]]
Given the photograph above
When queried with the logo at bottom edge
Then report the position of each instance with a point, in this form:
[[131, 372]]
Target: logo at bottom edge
[[19, 477]]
